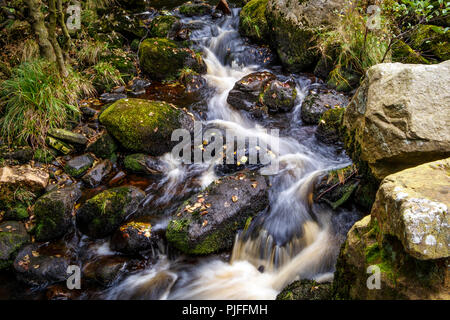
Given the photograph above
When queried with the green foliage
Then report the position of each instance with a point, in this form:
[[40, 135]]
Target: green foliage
[[420, 11], [36, 99], [253, 20], [91, 52], [352, 47], [106, 76]]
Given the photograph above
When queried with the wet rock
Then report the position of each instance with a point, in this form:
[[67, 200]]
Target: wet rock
[[208, 221], [412, 205], [306, 290], [194, 84], [245, 93], [105, 270], [253, 54], [77, 166], [401, 275], [117, 179], [96, 174], [53, 212], [195, 9], [279, 96], [224, 7], [138, 87], [316, 103], [23, 155], [163, 59], [88, 112], [111, 97], [33, 179], [399, 117], [329, 128], [142, 163], [13, 236], [103, 146], [145, 126], [59, 145], [135, 237], [68, 136], [103, 213], [36, 266]]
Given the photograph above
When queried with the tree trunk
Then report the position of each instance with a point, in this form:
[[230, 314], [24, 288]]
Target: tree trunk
[[52, 37], [62, 22], [40, 30]]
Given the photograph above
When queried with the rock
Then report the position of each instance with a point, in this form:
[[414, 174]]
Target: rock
[[13, 236], [33, 179], [224, 7], [105, 270], [44, 155], [163, 59], [401, 276], [68, 136], [23, 155], [88, 112], [36, 265], [316, 103], [399, 117], [135, 237], [61, 146], [117, 179], [53, 213], [208, 221], [103, 213], [138, 87], [111, 97], [306, 290], [142, 163], [195, 9], [103, 146], [162, 26], [412, 205], [279, 96], [329, 128], [294, 26], [253, 23], [17, 212], [145, 126], [77, 166], [95, 175]]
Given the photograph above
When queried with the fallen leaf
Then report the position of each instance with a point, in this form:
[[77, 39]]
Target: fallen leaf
[[234, 198]]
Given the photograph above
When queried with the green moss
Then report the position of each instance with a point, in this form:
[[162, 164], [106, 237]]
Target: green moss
[[195, 9], [176, 233], [403, 53], [253, 23], [431, 39], [103, 147], [17, 212], [135, 162], [162, 25]]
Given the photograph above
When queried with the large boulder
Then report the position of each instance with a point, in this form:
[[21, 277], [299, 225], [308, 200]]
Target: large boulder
[[295, 24], [399, 117], [53, 212], [412, 205], [164, 59], [208, 221], [103, 214], [33, 179], [13, 236], [145, 126], [253, 23]]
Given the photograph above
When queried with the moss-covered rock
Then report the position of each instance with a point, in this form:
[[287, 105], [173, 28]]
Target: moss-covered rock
[[103, 146], [401, 52], [207, 222], [279, 96], [53, 213], [58, 145], [99, 172], [135, 237], [68, 136], [145, 126], [135, 162], [195, 9], [306, 290], [44, 155], [253, 23], [161, 26], [163, 59], [79, 165], [431, 39], [13, 236], [18, 211], [318, 102], [330, 124], [103, 213]]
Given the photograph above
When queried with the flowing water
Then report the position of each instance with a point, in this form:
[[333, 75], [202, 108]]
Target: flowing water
[[293, 238]]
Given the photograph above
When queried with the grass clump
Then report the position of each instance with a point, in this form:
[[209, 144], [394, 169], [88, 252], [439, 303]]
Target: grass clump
[[106, 76], [36, 99]]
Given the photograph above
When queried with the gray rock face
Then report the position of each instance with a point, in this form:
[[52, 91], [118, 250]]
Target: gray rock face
[[413, 206], [111, 97], [34, 179], [95, 175], [78, 166], [400, 116], [53, 212], [208, 221], [13, 235], [102, 214], [36, 266], [317, 103]]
